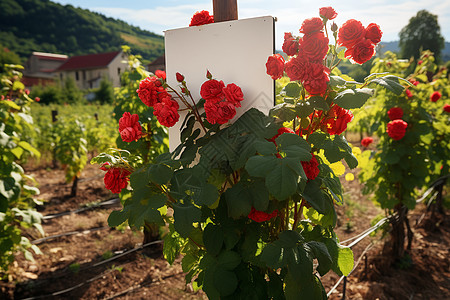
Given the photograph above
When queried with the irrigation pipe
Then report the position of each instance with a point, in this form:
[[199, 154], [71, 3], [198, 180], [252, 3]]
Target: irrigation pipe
[[39, 241], [95, 277], [76, 211]]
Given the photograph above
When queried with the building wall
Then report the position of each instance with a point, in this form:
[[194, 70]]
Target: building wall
[[116, 68]]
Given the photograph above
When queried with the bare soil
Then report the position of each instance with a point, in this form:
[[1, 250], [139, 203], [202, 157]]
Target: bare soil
[[76, 266]]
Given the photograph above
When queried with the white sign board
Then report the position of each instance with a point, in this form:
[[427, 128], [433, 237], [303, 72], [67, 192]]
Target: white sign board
[[233, 51]]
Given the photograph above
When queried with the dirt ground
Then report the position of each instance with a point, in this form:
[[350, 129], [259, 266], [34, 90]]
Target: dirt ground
[[92, 262]]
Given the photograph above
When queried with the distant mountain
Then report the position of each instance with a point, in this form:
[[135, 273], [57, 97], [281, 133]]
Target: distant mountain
[[45, 26], [393, 47]]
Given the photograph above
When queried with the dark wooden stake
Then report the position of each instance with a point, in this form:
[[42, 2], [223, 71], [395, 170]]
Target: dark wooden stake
[[73, 191], [225, 10]]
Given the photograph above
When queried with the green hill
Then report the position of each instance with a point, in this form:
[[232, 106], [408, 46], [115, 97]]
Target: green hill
[[45, 26]]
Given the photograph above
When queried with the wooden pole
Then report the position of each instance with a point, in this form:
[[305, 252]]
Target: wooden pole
[[225, 10]]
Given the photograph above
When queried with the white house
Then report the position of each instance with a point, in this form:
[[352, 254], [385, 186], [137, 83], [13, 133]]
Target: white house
[[89, 70]]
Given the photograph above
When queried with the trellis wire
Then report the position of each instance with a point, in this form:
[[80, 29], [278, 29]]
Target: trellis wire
[[76, 211]]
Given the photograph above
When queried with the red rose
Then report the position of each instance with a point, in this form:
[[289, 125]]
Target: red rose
[[260, 216], [166, 112], [413, 81], [180, 77], [395, 113], [361, 52], [311, 25], [280, 132], [297, 68], [105, 166], [373, 33], [327, 13], [365, 142], [212, 89], [420, 62], [160, 74], [337, 120], [290, 45], [129, 127], [318, 77], [116, 179], [233, 94], [396, 129], [435, 96], [409, 93], [150, 91], [446, 108], [201, 18], [37, 99], [275, 66], [311, 168], [219, 113], [350, 33], [314, 46]]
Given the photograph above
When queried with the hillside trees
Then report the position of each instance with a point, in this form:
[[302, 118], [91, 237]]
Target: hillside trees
[[422, 33]]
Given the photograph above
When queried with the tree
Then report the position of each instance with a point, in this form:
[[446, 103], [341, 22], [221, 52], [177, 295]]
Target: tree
[[422, 33], [105, 93]]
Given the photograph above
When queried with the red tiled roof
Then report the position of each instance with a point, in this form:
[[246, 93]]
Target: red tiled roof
[[88, 61], [159, 61]]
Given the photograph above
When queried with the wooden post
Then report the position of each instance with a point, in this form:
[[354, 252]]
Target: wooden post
[[225, 10]]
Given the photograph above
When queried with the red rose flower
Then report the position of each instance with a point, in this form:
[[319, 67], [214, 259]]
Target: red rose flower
[[396, 129], [201, 18], [151, 91], [129, 128], [260, 216], [275, 66], [318, 77], [290, 45], [311, 168], [435, 96], [446, 108], [311, 25], [365, 142], [409, 93], [116, 179], [361, 52], [233, 94], [105, 166], [395, 113], [373, 33], [212, 89], [180, 77], [166, 112], [327, 13], [413, 81], [337, 120], [297, 68], [160, 74], [350, 33], [314, 46], [219, 113], [37, 99], [420, 62], [280, 132]]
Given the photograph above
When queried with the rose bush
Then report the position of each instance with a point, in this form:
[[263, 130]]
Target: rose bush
[[252, 203]]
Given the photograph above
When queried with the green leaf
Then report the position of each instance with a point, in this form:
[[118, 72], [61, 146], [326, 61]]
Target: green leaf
[[213, 238], [272, 256], [284, 111], [318, 102], [282, 180], [299, 264], [337, 81], [292, 89], [303, 109], [306, 290], [29, 148], [207, 194], [117, 218], [184, 216], [390, 82], [188, 261], [187, 131], [265, 147], [225, 282], [353, 98], [228, 260], [345, 260], [259, 195], [289, 238], [159, 173], [239, 201], [260, 166], [314, 195], [322, 255], [290, 139]]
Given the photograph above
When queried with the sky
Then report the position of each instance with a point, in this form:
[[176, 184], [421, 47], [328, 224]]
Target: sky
[[160, 15]]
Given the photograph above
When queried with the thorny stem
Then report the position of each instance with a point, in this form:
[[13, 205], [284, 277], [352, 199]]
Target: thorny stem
[[193, 108], [297, 215]]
